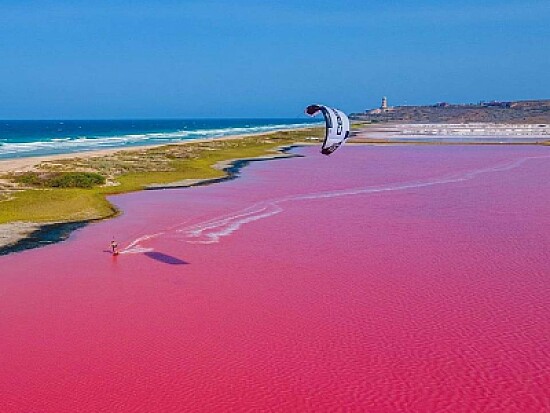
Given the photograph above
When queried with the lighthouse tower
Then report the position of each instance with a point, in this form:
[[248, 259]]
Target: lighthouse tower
[[384, 105]]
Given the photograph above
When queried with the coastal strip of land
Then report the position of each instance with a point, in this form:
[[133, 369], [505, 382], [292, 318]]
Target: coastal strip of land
[[73, 188], [45, 192]]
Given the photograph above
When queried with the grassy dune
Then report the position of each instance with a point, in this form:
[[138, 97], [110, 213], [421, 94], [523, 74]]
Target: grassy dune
[[127, 171]]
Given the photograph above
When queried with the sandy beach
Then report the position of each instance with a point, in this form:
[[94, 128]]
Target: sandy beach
[[391, 133], [386, 278], [29, 163], [429, 133]]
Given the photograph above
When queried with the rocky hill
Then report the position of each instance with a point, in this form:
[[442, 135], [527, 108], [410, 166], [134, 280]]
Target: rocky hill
[[519, 112]]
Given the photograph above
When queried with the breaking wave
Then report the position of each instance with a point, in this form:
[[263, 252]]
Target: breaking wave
[[86, 143]]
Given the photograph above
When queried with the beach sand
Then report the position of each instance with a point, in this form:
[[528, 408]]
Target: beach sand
[[382, 278], [29, 163]]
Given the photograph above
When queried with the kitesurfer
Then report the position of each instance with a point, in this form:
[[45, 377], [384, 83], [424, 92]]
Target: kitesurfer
[[114, 247]]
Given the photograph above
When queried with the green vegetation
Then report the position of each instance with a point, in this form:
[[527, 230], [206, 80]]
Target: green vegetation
[[59, 179], [55, 205], [359, 125], [76, 189]]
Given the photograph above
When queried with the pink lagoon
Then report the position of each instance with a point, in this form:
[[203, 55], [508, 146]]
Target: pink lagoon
[[380, 279]]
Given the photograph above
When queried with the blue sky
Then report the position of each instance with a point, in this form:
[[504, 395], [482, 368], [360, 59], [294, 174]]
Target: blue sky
[[185, 59]]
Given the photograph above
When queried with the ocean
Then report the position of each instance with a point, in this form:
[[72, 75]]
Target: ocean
[[25, 138]]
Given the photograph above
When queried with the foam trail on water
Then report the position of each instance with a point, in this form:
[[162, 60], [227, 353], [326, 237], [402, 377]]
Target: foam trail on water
[[226, 226], [209, 232], [135, 248]]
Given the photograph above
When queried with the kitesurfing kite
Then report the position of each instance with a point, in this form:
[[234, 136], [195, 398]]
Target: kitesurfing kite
[[337, 127]]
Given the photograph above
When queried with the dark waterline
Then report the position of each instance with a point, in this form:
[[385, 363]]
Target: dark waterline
[[44, 235], [53, 233]]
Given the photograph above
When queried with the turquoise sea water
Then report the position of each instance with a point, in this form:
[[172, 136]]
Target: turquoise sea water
[[24, 138]]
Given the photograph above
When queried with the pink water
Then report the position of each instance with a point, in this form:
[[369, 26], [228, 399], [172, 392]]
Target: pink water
[[380, 279]]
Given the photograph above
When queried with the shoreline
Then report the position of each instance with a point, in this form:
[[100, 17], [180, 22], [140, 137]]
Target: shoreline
[[22, 236], [367, 134], [204, 161], [24, 164], [22, 159]]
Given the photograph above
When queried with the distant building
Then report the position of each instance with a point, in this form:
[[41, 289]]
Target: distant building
[[384, 108], [497, 104]]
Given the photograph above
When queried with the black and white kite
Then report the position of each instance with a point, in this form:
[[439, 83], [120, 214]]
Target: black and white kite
[[337, 127]]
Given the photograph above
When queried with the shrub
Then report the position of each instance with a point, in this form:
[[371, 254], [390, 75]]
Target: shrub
[[28, 178], [60, 179], [76, 180]]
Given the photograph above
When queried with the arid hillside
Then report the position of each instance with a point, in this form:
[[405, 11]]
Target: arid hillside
[[532, 111]]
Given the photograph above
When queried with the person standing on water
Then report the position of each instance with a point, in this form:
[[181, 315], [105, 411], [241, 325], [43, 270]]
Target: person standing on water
[[114, 247]]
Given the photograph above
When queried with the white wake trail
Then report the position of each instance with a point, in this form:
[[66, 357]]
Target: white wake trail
[[211, 231], [135, 248]]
